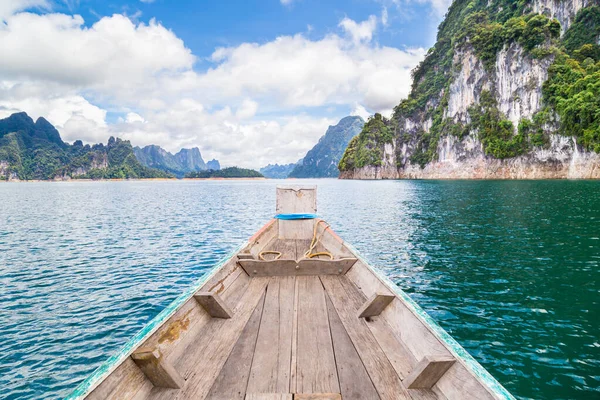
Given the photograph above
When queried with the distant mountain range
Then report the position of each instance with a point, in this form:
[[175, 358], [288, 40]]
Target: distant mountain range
[[276, 171], [178, 164], [322, 160], [34, 150]]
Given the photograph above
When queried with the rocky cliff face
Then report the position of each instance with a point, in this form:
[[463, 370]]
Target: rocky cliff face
[[322, 160], [276, 171], [34, 150], [493, 112], [178, 164], [213, 164]]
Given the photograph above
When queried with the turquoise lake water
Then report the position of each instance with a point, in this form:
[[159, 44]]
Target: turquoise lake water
[[510, 269]]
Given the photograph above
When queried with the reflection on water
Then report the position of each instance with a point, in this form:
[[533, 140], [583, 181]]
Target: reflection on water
[[510, 269]]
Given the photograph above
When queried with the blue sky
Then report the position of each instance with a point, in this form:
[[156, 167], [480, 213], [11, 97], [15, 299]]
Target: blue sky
[[205, 25], [249, 82]]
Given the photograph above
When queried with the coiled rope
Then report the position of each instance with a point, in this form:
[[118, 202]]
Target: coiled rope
[[313, 243], [315, 240], [263, 253]]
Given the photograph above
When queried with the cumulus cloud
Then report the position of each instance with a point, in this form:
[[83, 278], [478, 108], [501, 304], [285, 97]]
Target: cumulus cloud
[[294, 71], [9, 7], [251, 105], [360, 31]]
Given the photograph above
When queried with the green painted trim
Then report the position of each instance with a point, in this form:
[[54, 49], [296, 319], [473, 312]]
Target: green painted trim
[[115, 360], [458, 351]]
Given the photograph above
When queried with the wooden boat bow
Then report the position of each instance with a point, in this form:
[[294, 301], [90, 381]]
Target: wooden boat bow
[[294, 327]]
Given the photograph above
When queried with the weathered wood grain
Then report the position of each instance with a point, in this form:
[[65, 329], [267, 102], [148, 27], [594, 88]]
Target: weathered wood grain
[[375, 305], [294, 358], [269, 396], [214, 344], [270, 372], [318, 396], [210, 357], [417, 337], [303, 267], [123, 383], [315, 369], [233, 379], [157, 369], [355, 383], [213, 304], [428, 371], [347, 300], [458, 383], [178, 345]]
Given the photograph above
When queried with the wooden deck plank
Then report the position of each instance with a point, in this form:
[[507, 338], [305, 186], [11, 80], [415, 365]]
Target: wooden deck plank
[[293, 363], [231, 294], [213, 346], [269, 396], [270, 372], [355, 383], [302, 246], [315, 369], [287, 248], [233, 378], [347, 300]]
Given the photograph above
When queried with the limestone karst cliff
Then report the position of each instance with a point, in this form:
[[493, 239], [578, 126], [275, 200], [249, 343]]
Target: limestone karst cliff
[[511, 89]]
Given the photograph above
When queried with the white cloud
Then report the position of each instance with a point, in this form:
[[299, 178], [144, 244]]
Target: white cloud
[[147, 1], [286, 2], [251, 107], [360, 111], [9, 7], [293, 71], [384, 16], [111, 53], [360, 31]]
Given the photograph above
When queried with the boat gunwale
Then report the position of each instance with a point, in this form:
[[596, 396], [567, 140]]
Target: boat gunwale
[[110, 365], [466, 359], [480, 373]]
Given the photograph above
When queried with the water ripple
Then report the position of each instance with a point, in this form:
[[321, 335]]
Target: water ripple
[[510, 269]]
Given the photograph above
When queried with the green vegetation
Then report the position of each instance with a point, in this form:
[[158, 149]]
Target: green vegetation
[[36, 151], [571, 95], [322, 160], [367, 147], [489, 37], [231, 172], [496, 133], [178, 164], [573, 85]]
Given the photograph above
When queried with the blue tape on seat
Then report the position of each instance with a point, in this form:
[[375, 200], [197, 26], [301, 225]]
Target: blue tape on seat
[[295, 216]]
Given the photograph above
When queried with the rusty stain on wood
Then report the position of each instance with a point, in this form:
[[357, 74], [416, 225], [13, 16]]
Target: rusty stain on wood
[[175, 329]]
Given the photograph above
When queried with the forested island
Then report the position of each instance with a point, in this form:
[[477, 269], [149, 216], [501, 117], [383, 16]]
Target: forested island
[[231, 172], [510, 90]]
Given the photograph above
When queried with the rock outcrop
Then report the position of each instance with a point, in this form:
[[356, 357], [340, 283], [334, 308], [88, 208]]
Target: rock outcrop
[[178, 164], [483, 104], [322, 160]]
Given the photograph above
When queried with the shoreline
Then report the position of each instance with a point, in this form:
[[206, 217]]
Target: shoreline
[[126, 180]]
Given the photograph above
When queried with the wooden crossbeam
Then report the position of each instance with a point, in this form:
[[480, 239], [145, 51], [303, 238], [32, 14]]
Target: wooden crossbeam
[[304, 267], [157, 369], [245, 256], [428, 371], [213, 304], [375, 305]]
